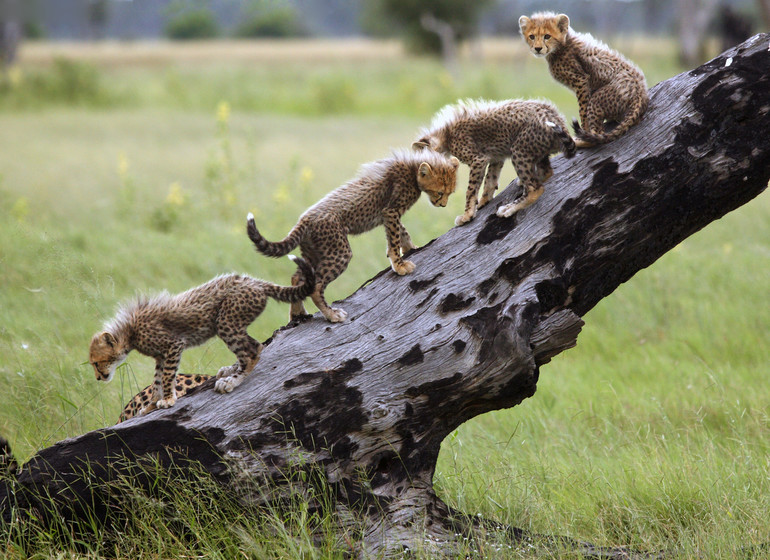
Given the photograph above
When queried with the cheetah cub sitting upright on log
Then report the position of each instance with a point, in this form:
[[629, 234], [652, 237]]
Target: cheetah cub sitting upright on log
[[483, 134], [381, 193], [610, 89], [163, 326]]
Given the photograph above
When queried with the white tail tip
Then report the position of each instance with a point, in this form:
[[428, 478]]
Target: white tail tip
[[250, 217], [293, 258]]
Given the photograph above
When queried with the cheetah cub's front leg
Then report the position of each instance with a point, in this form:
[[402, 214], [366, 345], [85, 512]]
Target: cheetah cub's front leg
[[397, 242]]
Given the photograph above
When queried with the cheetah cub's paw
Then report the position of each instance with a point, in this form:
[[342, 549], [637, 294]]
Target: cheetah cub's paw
[[166, 403], [507, 210], [404, 267], [337, 315], [227, 384], [464, 219]]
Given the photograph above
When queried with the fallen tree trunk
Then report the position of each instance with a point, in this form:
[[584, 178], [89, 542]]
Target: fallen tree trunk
[[365, 404]]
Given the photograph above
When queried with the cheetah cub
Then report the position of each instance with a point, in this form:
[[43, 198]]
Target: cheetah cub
[[483, 134], [163, 326], [142, 403], [381, 193], [610, 89]]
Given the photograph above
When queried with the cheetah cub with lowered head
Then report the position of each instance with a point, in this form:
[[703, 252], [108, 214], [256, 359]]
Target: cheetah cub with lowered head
[[483, 134], [163, 326], [610, 89], [381, 193]]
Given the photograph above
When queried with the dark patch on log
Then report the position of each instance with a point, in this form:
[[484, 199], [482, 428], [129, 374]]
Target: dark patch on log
[[453, 302], [459, 346], [432, 293], [414, 356], [419, 285], [496, 228], [343, 373], [315, 427], [485, 287], [552, 294], [430, 388]]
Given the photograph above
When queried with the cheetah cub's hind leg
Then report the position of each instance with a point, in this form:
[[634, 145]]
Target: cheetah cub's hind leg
[[235, 316], [532, 180], [491, 182]]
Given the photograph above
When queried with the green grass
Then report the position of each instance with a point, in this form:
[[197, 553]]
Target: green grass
[[652, 433]]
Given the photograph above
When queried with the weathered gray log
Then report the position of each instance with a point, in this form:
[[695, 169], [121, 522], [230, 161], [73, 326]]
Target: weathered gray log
[[366, 403]]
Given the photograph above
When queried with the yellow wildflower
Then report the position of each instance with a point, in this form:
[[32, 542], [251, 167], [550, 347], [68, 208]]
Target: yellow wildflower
[[306, 175], [223, 112], [175, 195], [122, 165]]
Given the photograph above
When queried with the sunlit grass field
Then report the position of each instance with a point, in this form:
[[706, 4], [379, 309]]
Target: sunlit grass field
[[131, 168]]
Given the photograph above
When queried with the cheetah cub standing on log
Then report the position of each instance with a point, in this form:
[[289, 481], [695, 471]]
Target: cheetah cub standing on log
[[165, 325], [609, 88], [381, 193], [483, 134]]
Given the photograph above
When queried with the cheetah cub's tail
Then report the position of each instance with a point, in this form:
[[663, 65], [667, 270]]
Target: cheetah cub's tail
[[293, 294], [635, 113], [271, 248], [568, 144]]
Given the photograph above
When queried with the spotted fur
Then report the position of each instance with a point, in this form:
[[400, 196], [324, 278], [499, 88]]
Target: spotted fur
[[610, 89], [483, 134], [165, 325], [142, 401], [381, 193]]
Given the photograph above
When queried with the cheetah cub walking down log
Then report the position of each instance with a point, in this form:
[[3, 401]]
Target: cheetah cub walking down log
[[162, 327], [381, 193], [483, 134], [610, 89]]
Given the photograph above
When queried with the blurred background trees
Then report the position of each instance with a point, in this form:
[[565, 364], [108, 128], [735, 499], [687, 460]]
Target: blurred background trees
[[432, 27]]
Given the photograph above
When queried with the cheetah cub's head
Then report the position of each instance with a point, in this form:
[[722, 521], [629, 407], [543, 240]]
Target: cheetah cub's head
[[544, 32], [105, 355], [437, 177]]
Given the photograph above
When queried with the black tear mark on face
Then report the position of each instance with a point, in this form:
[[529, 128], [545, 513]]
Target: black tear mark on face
[[414, 356], [419, 285], [453, 302], [343, 373]]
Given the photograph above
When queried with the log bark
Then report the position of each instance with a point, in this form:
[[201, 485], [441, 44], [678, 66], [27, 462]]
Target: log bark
[[365, 404]]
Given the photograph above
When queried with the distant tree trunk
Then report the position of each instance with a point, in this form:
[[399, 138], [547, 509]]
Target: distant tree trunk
[[10, 32], [694, 19], [448, 38], [764, 8], [364, 405]]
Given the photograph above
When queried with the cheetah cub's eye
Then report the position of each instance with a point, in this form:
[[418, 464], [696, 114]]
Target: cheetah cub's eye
[[531, 37], [546, 36]]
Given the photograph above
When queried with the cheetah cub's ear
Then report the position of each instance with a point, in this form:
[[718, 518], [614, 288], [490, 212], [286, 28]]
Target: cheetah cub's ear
[[421, 144], [425, 170], [562, 21], [523, 22], [454, 161], [108, 339]]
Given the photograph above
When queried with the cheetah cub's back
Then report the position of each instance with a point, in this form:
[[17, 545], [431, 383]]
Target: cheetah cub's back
[[483, 134]]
